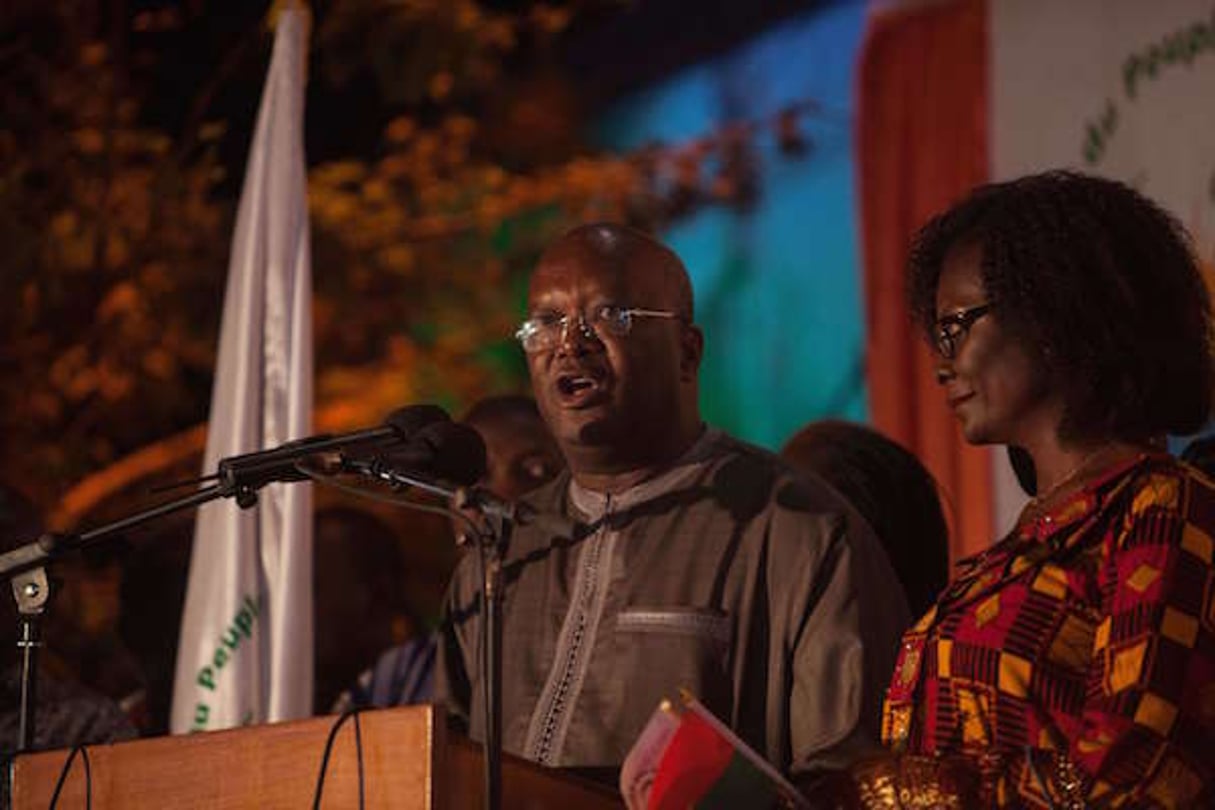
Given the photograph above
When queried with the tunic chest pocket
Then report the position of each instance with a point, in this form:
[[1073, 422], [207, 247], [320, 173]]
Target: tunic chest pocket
[[677, 647], [709, 626], [705, 628]]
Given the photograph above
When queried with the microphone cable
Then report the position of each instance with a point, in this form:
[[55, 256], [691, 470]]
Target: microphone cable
[[330, 479], [358, 749], [66, 769], [82, 750]]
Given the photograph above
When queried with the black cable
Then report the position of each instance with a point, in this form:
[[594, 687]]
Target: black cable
[[328, 479], [6, 774], [358, 747], [66, 769], [358, 754]]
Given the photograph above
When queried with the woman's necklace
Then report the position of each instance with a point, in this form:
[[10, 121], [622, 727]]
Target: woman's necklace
[[1037, 504]]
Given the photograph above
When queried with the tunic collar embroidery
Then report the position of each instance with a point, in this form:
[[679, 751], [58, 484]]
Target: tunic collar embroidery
[[594, 504]]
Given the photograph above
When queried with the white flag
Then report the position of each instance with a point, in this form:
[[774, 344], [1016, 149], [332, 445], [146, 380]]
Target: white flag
[[245, 652]]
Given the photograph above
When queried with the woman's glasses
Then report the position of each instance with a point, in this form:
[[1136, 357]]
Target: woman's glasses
[[952, 329]]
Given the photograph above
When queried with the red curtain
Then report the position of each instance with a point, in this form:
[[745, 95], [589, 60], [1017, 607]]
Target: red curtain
[[922, 142]]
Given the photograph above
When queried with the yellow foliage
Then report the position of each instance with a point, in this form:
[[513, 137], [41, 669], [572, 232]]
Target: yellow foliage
[[394, 167], [122, 301], [113, 383], [440, 85], [436, 195], [346, 413], [460, 339], [31, 298], [128, 110], [117, 250], [397, 258], [154, 277], [81, 385], [425, 145], [454, 154], [551, 19], [159, 363], [212, 131], [400, 129], [352, 397], [498, 34], [460, 126], [64, 224], [338, 208], [90, 141], [402, 351], [73, 252], [130, 197], [139, 142], [340, 172], [468, 16], [383, 224], [494, 176], [376, 190], [93, 54], [490, 212], [42, 406]]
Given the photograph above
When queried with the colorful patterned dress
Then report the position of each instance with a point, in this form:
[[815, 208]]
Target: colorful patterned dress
[[1074, 661]]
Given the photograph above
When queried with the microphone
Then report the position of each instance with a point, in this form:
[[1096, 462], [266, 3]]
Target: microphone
[[450, 453], [443, 451], [252, 471]]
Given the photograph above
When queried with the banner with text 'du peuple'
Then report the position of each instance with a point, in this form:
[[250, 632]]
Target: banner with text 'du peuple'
[[245, 651], [1119, 88]]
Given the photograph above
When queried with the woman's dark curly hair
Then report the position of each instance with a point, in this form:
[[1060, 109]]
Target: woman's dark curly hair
[[1101, 285]]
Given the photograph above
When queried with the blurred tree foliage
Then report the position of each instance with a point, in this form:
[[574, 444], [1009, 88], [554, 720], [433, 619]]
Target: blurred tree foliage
[[108, 238], [116, 215]]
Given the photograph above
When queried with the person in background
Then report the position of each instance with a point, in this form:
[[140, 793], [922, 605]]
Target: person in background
[[83, 628], [359, 609], [67, 713], [1200, 453], [1071, 664], [701, 562], [892, 491], [520, 455]]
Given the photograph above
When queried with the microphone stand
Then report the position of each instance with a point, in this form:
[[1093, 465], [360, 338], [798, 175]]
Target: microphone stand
[[25, 568], [491, 546], [31, 590]]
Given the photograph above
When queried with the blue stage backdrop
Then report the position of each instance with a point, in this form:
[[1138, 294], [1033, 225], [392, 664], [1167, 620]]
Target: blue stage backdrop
[[777, 288]]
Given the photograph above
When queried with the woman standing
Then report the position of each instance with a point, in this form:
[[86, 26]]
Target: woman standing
[[1072, 664]]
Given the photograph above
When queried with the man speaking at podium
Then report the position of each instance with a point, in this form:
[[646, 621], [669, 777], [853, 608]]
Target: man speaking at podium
[[700, 562]]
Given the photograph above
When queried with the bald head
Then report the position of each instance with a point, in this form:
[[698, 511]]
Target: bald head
[[616, 249], [620, 399]]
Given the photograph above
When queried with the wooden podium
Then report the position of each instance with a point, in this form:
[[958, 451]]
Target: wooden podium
[[410, 760]]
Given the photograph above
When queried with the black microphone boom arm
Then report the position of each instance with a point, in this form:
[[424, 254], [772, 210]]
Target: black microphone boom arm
[[242, 476]]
